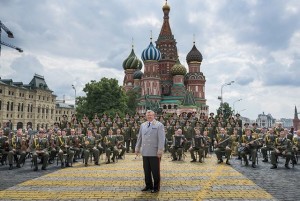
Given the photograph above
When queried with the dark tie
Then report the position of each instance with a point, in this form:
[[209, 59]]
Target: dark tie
[[149, 124]]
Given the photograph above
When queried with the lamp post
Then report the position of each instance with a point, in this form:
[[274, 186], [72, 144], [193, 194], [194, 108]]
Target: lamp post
[[75, 98], [233, 105], [221, 98]]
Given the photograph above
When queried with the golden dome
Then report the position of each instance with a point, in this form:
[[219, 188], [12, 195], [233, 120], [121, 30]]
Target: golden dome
[[166, 6]]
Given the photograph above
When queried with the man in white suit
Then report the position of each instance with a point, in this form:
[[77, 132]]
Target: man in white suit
[[150, 142]]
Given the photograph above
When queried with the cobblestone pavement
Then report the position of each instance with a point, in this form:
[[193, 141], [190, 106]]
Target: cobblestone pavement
[[282, 183], [181, 180]]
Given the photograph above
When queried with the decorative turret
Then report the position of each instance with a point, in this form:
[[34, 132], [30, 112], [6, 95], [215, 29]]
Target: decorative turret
[[151, 53], [132, 62], [194, 55], [178, 69], [137, 75]]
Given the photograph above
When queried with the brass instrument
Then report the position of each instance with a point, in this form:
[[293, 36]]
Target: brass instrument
[[242, 148], [24, 145]]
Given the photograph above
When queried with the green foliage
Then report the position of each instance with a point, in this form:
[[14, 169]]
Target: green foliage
[[102, 97], [227, 111], [131, 102]]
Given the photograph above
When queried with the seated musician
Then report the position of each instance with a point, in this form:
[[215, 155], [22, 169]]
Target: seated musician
[[110, 142], [15, 149], [120, 143], [90, 146], [99, 140], [76, 144], [269, 143], [198, 145], [63, 147], [283, 147], [40, 147], [248, 146], [4, 146], [296, 146], [235, 138], [177, 146], [223, 144]]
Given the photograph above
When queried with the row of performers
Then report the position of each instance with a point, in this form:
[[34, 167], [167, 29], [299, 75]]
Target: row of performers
[[247, 144], [68, 149], [174, 119]]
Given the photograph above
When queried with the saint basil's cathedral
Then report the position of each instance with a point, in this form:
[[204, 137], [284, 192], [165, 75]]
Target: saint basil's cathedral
[[165, 85]]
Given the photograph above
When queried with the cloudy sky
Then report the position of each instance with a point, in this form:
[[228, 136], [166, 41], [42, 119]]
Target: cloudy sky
[[256, 43]]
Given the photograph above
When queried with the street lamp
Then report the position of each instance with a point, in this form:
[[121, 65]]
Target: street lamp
[[221, 98], [233, 105], [75, 97]]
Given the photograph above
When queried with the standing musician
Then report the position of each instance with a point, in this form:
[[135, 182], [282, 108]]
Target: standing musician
[[15, 149], [248, 145], [269, 144], [120, 143], [110, 142], [39, 148], [188, 132], [63, 147], [90, 146], [4, 146], [134, 134], [176, 148], [283, 147], [198, 145], [207, 141], [126, 133], [223, 144]]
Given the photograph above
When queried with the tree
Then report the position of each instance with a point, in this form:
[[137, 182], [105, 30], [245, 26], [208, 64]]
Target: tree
[[104, 96], [131, 101], [227, 111]]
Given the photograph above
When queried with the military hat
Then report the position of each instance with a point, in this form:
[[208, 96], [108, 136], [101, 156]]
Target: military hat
[[254, 124], [237, 115], [246, 124], [211, 113]]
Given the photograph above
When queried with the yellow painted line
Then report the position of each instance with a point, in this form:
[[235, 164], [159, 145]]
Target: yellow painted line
[[245, 194]]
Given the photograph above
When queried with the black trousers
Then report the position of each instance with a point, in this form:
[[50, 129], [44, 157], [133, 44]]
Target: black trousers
[[151, 166]]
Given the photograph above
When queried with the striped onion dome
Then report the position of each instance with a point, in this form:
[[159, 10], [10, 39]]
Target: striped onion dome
[[132, 62], [194, 55], [178, 68], [151, 53], [138, 74]]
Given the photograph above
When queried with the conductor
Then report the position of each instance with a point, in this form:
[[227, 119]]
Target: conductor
[[150, 144]]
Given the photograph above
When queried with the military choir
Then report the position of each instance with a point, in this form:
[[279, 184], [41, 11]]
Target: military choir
[[192, 134]]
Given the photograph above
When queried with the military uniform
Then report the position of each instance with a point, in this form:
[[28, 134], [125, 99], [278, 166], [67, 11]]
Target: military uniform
[[269, 145], [197, 145], [63, 147], [111, 142], [4, 148], [120, 145], [223, 147], [177, 146], [127, 137], [188, 132], [90, 146], [15, 145], [40, 149], [134, 134], [283, 147], [250, 148]]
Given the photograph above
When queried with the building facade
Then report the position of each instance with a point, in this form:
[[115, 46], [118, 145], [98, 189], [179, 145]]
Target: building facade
[[165, 83], [265, 120], [27, 105], [296, 120]]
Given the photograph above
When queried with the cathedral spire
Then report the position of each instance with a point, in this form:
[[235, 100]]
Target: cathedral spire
[[296, 113]]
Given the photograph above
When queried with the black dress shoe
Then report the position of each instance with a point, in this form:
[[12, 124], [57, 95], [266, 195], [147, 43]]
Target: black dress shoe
[[227, 162], [274, 167], [43, 168], [97, 164], [194, 160], [18, 165], [154, 191], [108, 162], [174, 159], [220, 161], [10, 167], [146, 189], [86, 165], [35, 169], [253, 165], [62, 165], [265, 160], [287, 166], [68, 165]]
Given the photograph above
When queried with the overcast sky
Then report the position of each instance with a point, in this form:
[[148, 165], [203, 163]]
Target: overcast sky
[[256, 43]]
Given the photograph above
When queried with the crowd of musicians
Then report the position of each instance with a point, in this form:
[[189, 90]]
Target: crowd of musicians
[[69, 141]]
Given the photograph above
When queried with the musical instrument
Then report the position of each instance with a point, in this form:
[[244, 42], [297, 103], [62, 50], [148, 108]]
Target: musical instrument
[[198, 142], [243, 148], [178, 140], [218, 144]]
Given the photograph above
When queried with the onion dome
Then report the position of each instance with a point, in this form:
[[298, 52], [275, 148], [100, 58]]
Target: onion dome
[[151, 53], [138, 74], [166, 6], [132, 62], [194, 55], [178, 68]]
